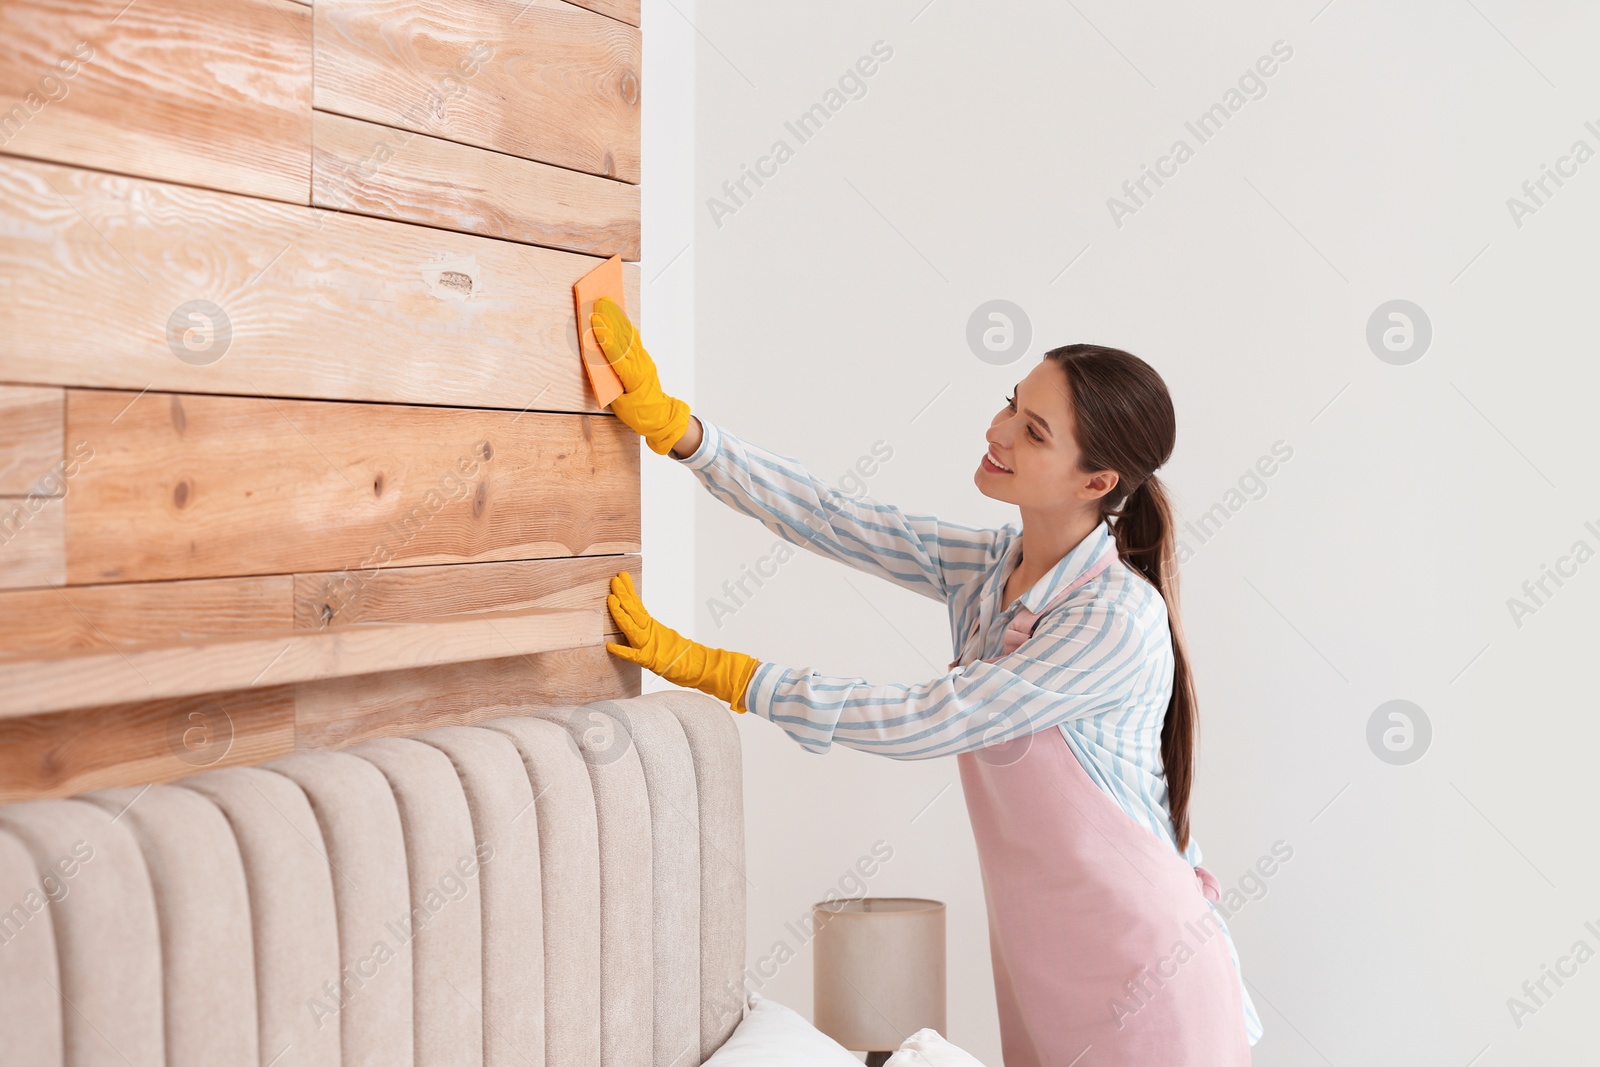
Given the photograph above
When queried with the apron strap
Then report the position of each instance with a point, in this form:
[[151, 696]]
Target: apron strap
[[1025, 622]]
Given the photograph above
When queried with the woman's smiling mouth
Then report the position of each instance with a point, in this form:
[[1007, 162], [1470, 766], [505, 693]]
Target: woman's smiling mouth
[[989, 463]]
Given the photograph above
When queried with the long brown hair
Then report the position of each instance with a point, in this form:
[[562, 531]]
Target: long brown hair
[[1126, 424]]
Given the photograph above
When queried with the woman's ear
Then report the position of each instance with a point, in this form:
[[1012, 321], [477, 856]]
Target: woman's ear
[[1100, 483]]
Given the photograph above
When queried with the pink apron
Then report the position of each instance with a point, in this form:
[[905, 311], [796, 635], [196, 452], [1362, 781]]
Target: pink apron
[[1105, 950]]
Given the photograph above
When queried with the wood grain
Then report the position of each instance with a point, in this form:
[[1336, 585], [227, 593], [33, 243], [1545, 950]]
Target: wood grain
[[552, 82], [66, 682], [62, 754], [397, 174], [31, 447], [319, 304], [401, 594], [623, 10], [81, 618], [303, 386], [342, 712], [215, 93], [209, 487], [33, 549]]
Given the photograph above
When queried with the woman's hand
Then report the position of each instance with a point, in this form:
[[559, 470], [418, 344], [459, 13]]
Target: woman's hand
[[660, 419], [723, 674]]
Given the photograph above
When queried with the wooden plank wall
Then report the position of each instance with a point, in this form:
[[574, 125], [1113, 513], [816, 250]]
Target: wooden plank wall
[[287, 344]]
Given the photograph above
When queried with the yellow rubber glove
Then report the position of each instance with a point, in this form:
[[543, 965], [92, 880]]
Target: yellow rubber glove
[[723, 674], [652, 414]]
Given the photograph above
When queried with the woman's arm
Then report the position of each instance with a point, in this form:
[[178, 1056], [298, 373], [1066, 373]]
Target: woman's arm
[[917, 552], [1087, 662], [690, 439]]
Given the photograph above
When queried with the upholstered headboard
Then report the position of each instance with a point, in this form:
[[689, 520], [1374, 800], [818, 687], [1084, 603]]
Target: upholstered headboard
[[555, 888]]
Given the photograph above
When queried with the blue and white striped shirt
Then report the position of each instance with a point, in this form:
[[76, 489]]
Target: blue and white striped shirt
[[1099, 667]]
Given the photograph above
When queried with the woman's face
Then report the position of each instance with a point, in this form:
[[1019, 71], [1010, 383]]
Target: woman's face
[[1034, 435]]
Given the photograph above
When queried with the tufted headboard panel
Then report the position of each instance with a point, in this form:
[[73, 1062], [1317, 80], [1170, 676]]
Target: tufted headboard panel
[[556, 888]]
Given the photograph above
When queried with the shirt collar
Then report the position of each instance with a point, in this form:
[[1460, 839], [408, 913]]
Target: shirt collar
[[1060, 576]]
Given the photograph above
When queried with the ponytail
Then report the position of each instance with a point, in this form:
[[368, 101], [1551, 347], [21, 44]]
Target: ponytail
[[1143, 528], [1126, 424]]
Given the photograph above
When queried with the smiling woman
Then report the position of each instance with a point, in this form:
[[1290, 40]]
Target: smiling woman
[[1069, 706], [1032, 457]]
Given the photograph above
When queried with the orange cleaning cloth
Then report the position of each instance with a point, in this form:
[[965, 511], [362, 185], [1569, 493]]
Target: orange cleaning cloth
[[604, 280]]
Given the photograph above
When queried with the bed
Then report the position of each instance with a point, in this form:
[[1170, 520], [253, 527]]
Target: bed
[[560, 887]]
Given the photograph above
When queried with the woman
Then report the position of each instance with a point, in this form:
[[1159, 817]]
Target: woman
[[1069, 706]]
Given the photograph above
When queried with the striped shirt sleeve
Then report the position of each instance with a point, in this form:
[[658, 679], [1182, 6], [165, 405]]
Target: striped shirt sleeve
[[1081, 662], [918, 552]]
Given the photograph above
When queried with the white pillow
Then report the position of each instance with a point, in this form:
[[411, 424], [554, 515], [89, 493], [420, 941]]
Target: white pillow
[[771, 1035], [926, 1048]]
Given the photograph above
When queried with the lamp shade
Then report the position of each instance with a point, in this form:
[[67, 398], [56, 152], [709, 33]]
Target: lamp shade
[[879, 973]]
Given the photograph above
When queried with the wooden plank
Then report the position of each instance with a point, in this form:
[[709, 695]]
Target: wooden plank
[[36, 622], [342, 712], [215, 93], [78, 618], [551, 82], [209, 487], [316, 303], [31, 446], [32, 542], [377, 170], [66, 682], [64, 753], [402, 594], [623, 10], [58, 755]]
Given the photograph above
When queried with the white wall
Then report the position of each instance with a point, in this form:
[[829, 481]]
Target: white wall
[[830, 312], [667, 319]]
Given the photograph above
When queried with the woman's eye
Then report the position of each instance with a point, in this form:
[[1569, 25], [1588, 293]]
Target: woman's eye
[[1011, 402]]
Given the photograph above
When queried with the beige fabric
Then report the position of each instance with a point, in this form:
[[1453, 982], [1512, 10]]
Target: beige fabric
[[30, 1010], [445, 928], [107, 944], [600, 737], [203, 911], [718, 764], [674, 831], [296, 934], [365, 844], [569, 876], [500, 800], [552, 889]]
